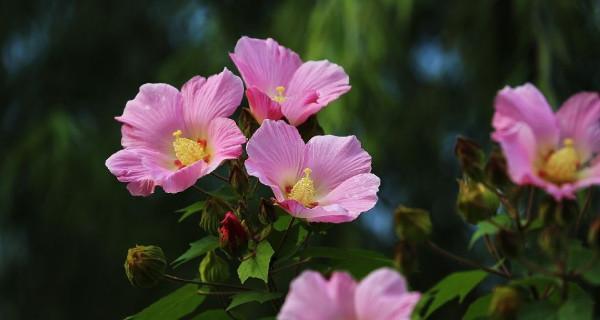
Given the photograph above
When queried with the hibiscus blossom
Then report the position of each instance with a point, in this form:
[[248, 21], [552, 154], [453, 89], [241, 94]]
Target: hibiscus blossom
[[328, 179], [554, 151], [382, 295], [279, 84], [173, 138]]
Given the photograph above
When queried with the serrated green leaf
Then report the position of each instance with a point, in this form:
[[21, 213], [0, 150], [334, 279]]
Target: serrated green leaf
[[197, 249], [216, 314], [191, 209], [578, 306], [479, 308], [177, 304], [253, 296], [258, 265], [458, 284], [487, 228]]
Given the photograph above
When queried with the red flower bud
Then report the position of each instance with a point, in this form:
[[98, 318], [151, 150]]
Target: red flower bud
[[232, 233]]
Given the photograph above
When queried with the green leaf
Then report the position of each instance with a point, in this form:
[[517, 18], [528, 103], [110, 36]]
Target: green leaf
[[177, 304], [487, 228], [257, 266], [357, 261], [578, 306], [584, 260], [282, 222], [539, 282], [253, 296], [479, 308], [215, 314], [458, 284], [197, 249], [537, 310], [295, 237], [191, 209]]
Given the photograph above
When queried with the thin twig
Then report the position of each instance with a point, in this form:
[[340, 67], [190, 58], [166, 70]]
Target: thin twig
[[285, 235], [586, 205], [216, 175], [202, 191], [464, 261], [291, 265], [205, 283], [529, 212], [495, 254], [217, 293]]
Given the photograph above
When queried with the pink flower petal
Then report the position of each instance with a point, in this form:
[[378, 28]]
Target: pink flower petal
[[311, 297], [275, 155], [335, 159], [264, 64], [128, 167], [205, 100], [525, 105], [383, 295], [519, 147], [180, 180], [262, 106], [579, 119], [151, 117], [314, 85], [225, 141], [332, 213], [356, 195]]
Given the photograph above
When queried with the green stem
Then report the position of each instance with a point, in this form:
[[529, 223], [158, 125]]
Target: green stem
[[464, 261], [586, 205], [218, 176], [285, 235], [205, 283]]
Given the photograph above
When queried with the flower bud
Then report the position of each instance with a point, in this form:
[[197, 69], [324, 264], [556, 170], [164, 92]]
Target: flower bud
[[470, 157], [496, 172], [145, 266], [232, 234], [266, 211], [238, 179], [412, 224], [505, 302], [405, 257], [594, 235], [475, 201], [213, 268], [211, 215], [552, 240], [508, 241]]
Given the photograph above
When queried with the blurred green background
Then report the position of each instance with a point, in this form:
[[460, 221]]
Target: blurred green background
[[422, 72]]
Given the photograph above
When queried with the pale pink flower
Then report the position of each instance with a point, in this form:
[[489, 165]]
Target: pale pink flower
[[279, 84], [173, 138], [328, 179], [554, 151], [382, 295]]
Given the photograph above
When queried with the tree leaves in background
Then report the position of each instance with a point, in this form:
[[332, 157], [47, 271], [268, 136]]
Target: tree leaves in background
[[216, 314], [197, 249], [458, 284], [191, 209], [258, 265], [177, 304], [479, 308], [253, 296]]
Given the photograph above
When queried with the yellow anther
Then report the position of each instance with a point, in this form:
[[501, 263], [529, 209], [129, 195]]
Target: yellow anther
[[187, 150], [304, 190], [279, 97], [562, 165]]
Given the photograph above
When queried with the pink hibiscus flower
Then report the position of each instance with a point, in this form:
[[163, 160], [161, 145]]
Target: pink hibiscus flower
[[328, 179], [279, 84], [554, 151], [173, 138], [382, 295]]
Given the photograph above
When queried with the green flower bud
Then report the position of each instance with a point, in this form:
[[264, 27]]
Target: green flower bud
[[470, 157], [238, 178], [405, 257], [552, 240], [145, 266], [594, 235], [213, 268], [508, 241], [496, 172], [505, 302], [475, 201], [211, 216], [266, 211], [412, 224]]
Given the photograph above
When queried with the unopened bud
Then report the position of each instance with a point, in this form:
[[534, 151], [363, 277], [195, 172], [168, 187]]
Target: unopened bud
[[475, 201], [211, 215], [509, 243], [213, 268], [405, 257], [470, 157], [594, 235], [412, 224], [496, 172], [505, 302], [552, 240], [266, 211], [232, 234], [238, 179], [145, 266]]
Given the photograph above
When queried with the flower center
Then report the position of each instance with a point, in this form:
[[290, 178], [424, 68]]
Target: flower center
[[188, 151], [279, 97], [562, 165], [304, 190]]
